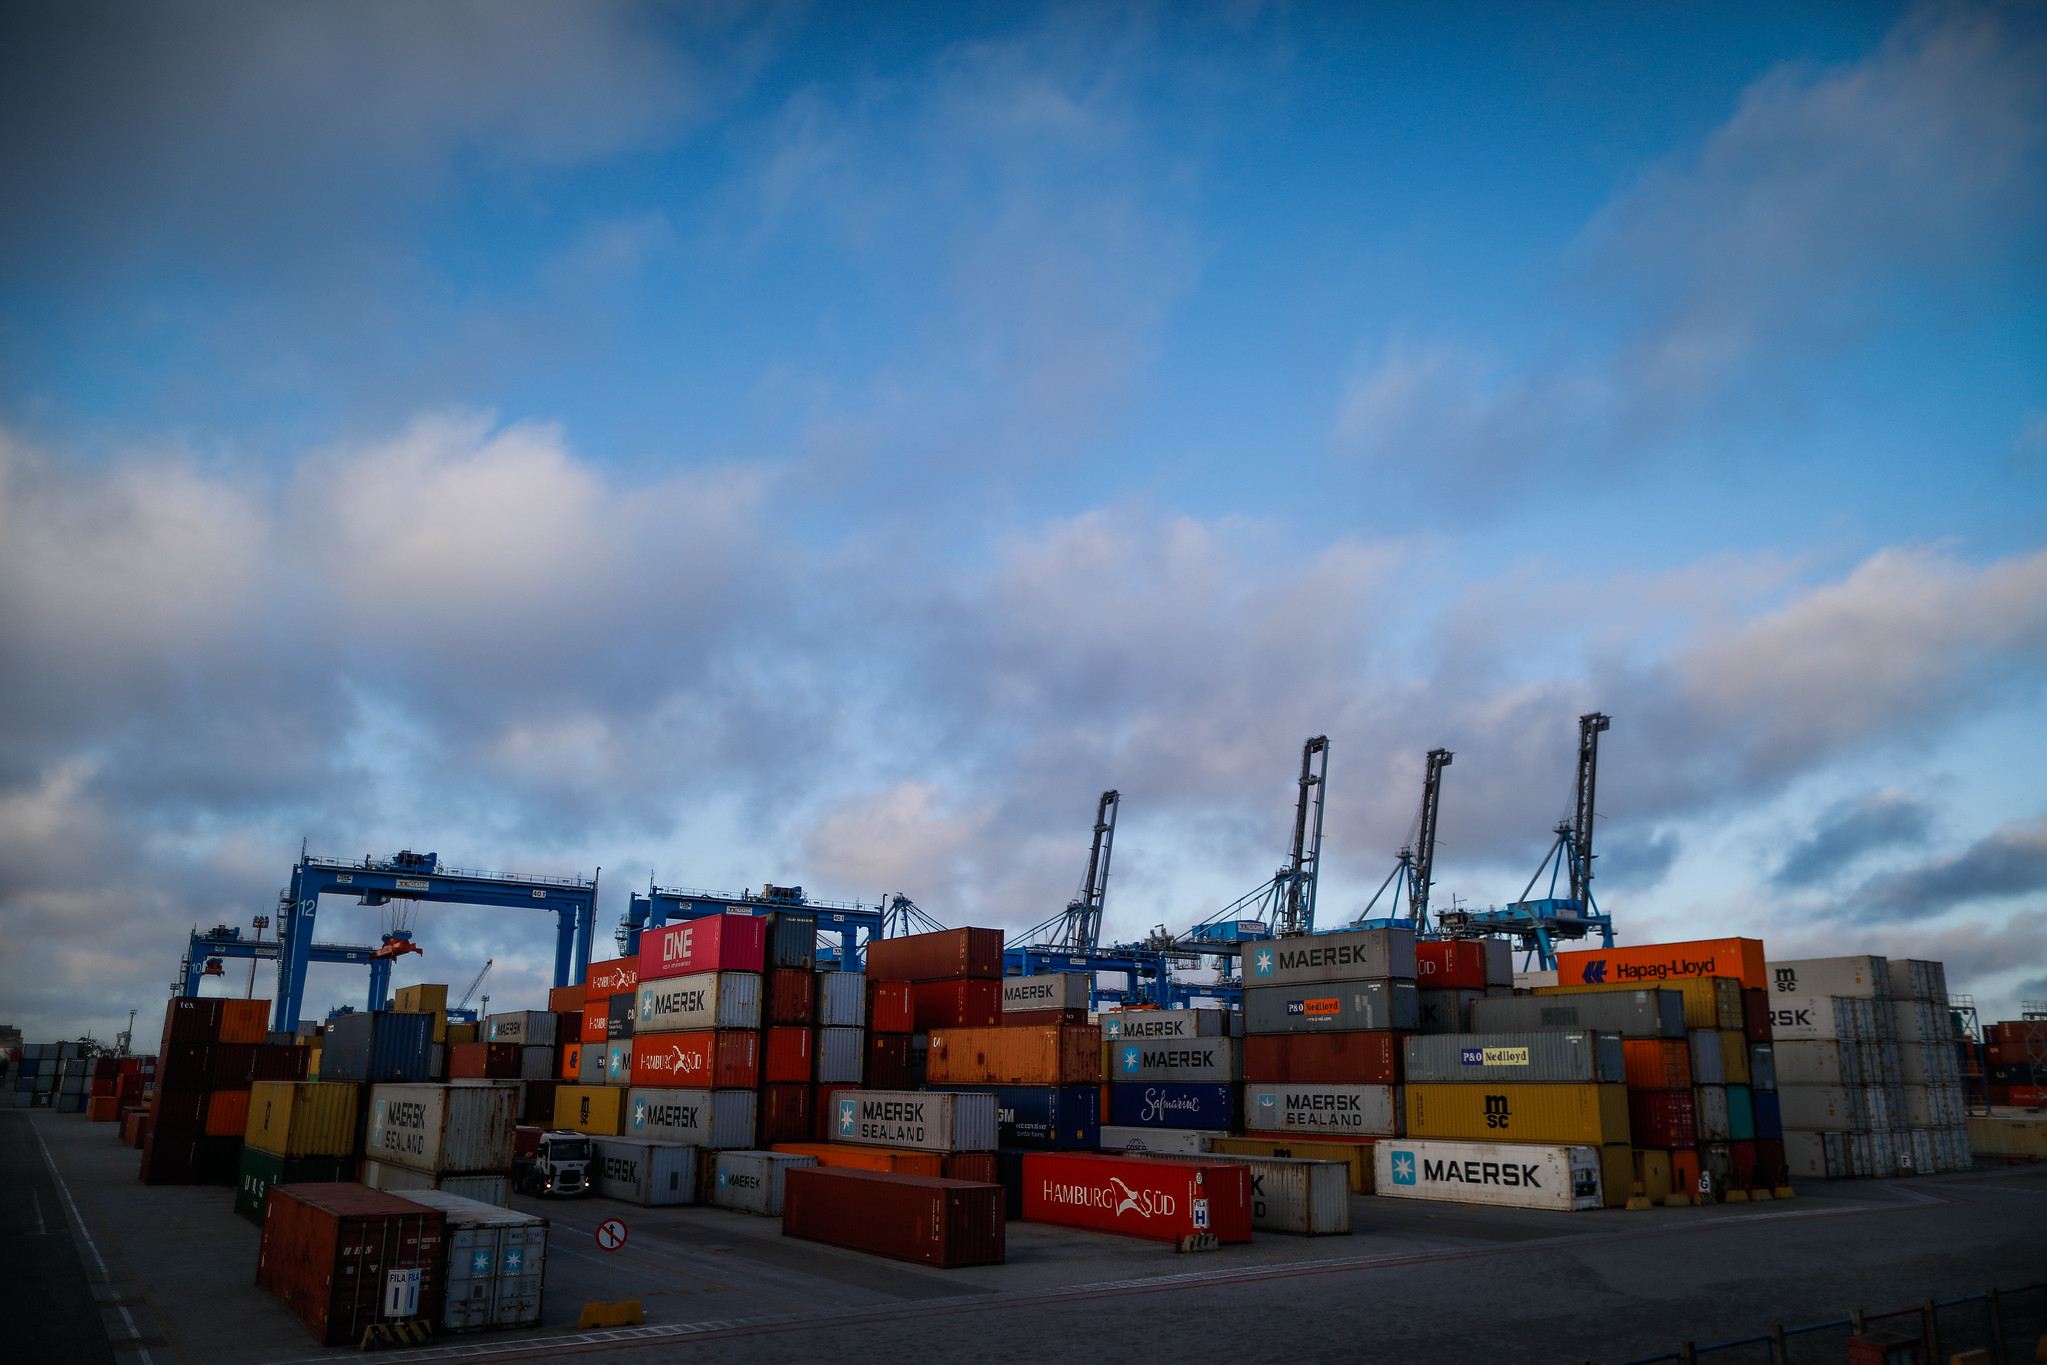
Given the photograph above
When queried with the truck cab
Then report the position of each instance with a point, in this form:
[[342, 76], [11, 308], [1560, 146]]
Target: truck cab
[[553, 1162]]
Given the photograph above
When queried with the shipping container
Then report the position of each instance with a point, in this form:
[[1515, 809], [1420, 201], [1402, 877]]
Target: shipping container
[[932, 1121], [1337, 1110], [791, 940], [1180, 1141], [620, 976], [1453, 964], [234, 1067], [244, 1021], [536, 1063], [1330, 1058], [713, 943], [1354, 1155], [343, 1257], [1741, 1114], [725, 1059], [1138, 1197], [789, 996], [496, 1262], [949, 954], [1169, 1104], [376, 1046], [1563, 1055], [1660, 964], [850, 1157], [442, 1128], [487, 1187], [1663, 1118], [841, 1000], [598, 1110], [1047, 1117], [1019, 1055], [935, 1222], [191, 1019], [1803, 1018], [751, 1181], [1342, 1007], [785, 1055], [961, 1003], [1445, 1011], [1710, 1103], [1589, 1115], [566, 999], [1864, 977], [621, 1016], [1762, 1065], [1315, 959], [1047, 991], [1165, 1025], [261, 1170], [889, 1007], [1769, 1118], [1755, 1015], [1708, 1062], [888, 1061], [1207, 1060], [1658, 1063], [784, 1114], [523, 1027], [1709, 1002], [1817, 1061], [641, 1171], [496, 1061], [1734, 1056], [688, 1004], [693, 1118], [1519, 1175], [839, 1053]]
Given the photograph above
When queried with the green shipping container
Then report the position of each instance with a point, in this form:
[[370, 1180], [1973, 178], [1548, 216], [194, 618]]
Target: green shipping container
[[261, 1170]]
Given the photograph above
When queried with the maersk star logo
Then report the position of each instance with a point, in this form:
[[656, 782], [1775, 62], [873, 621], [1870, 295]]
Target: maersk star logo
[[1403, 1168], [479, 1263], [515, 1260], [639, 1113], [1261, 962], [845, 1118], [1130, 1059]]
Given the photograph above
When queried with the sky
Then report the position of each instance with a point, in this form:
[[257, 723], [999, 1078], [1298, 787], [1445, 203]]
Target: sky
[[729, 444]]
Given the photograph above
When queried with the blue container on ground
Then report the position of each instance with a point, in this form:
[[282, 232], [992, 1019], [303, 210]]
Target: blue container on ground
[[1173, 1104], [370, 1047], [1769, 1126], [1741, 1114], [1045, 1118]]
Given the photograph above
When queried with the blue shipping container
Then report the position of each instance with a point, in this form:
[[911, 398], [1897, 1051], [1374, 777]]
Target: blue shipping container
[[1769, 1126], [380, 1046], [1741, 1114], [1170, 1104], [1043, 1117]]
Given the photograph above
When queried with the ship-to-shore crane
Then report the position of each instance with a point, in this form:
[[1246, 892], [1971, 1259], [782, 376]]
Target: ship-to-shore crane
[[1414, 867]]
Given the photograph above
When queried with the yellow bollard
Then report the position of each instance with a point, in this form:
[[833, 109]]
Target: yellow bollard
[[623, 1314]]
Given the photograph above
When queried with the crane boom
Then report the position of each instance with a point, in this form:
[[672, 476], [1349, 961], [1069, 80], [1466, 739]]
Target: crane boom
[[1589, 728], [463, 1003], [1422, 872], [1298, 916]]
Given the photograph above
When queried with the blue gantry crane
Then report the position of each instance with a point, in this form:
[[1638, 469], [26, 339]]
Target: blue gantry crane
[[206, 951]]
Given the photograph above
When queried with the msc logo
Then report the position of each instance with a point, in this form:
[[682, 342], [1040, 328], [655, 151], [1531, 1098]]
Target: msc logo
[[1403, 1168], [1787, 979], [1496, 1115], [1130, 1056], [1595, 972], [1261, 962], [585, 1115], [846, 1119]]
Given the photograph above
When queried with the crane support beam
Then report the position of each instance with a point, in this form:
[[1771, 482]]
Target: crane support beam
[[231, 945]]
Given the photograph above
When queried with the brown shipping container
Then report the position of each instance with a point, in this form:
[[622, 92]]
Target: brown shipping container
[[563, 999], [280, 1062], [539, 1101], [1662, 1118], [185, 1066], [947, 955], [182, 1113], [785, 1054], [234, 1065], [1658, 1063], [1324, 1058], [172, 1160], [1063, 1054], [847, 1157], [1755, 1015], [983, 1168], [975, 1003], [492, 1061], [888, 1007], [189, 1019], [782, 1115], [788, 997], [328, 1250], [910, 1218], [227, 1113], [244, 1021], [888, 1062]]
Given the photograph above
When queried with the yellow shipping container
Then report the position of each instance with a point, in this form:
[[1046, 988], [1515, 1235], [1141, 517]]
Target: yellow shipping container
[[313, 1064], [1587, 1115], [1734, 1055], [2008, 1135], [1616, 1173], [301, 1118], [1652, 1173], [1710, 1002], [1357, 1156], [462, 1033], [595, 1109], [422, 1000]]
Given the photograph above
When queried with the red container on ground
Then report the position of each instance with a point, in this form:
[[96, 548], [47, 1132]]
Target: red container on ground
[[330, 1252], [1165, 1200], [1449, 965], [788, 995], [888, 1062], [948, 954], [728, 1059], [785, 1055], [1770, 1165], [888, 1007], [1743, 1155], [821, 1109], [1324, 1058], [908, 1217], [1658, 1063], [964, 1003], [606, 979], [1662, 1118], [782, 1114], [102, 1108], [490, 1061], [189, 1019], [715, 943]]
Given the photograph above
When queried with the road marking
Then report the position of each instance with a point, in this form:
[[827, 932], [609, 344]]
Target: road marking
[[84, 1232], [37, 1200]]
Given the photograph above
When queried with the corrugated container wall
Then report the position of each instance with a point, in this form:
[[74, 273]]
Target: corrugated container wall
[[694, 1118], [706, 1000], [1358, 955], [841, 1000], [1632, 1014], [929, 1121], [943, 1223], [1342, 1007], [1333, 1110], [1565, 1055], [1572, 1114], [442, 1128], [301, 1118], [376, 1046]]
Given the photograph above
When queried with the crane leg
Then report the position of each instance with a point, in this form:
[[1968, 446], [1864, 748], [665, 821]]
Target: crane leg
[[380, 983], [564, 942], [294, 952]]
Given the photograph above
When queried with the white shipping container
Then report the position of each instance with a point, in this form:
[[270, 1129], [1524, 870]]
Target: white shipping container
[[1928, 1064], [706, 1000], [527, 1028], [1199, 1061], [485, 1189], [1709, 1106], [536, 1063], [752, 1181], [929, 1121], [1292, 1194], [637, 1171], [840, 1055], [442, 1128], [1872, 1156], [1528, 981], [1357, 955], [1817, 1061], [1920, 980], [1163, 1141], [841, 1000], [1815, 1155], [1821, 1108], [1921, 1021], [1162, 1025], [1046, 991], [1866, 977], [1330, 1110], [1915, 1152], [491, 1256], [1709, 1065], [1520, 1175], [694, 1118]]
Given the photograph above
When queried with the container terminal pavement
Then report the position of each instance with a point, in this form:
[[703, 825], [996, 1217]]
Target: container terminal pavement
[[987, 1192]]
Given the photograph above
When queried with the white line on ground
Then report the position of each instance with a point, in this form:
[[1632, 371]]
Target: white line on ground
[[84, 1232], [37, 1200]]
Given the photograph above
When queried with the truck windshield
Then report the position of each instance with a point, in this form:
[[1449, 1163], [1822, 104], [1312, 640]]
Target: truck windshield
[[569, 1151]]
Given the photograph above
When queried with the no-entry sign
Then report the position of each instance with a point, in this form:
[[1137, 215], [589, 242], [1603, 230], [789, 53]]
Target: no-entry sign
[[611, 1234]]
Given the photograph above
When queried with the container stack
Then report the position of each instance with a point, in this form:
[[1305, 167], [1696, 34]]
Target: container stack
[[695, 1078], [2014, 1063], [299, 1132], [1452, 973], [119, 1085], [455, 1138], [493, 1261], [213, 1050], [784, 1110], [432, 1001], [1175, 1079], [891, 1024], [585, 1099], [1043, 1065], [39, 1072], [1325, 1022], [955, 981], [318, 1242]]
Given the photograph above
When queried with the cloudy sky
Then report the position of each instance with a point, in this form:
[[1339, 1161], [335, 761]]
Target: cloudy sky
[[830, 445]]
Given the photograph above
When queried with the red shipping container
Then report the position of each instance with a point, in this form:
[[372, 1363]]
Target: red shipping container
[[889, 1009], [104, 1087], [234, 1065], [132, 1066], [1658, 1063], [715, 943], [106, 1068], [907, 1217], [728, 1059], [1662, 1118], [1165, 1200], [1771, 1169], [1449, 965], [1755, 1015], [102, 1109], [329, 1252], [975, 1003], [596, 1026], [128, 1085], [888, 1062], [785, 1055], [181, 1113], [566, 999], [280, 1062], [1324, 1058], [821, 1109], [782, 1114], [1743, 1155], [173, 1160], [946, 955], [606, 979], [189, 1019], [244, 1021], [980, 1167], [227, 1113], [486, 1061], [788, 996]]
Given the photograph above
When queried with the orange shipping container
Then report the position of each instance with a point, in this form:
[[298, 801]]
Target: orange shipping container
[[606, 979], [103, 1108], [565, 999], [227, 1113], [1042, 1054], [1658, 1063], [596, 1027], [849, 1157], [244, 1021], [1652, 963]]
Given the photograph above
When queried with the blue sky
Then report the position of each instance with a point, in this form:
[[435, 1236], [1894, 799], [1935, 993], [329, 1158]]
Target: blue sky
[[769, 443]]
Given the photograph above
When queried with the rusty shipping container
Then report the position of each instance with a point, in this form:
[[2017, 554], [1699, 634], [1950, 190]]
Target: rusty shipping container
[[496, 1061], [343, 1257], [852, 1157], [1658, 1063], [1019, 1055], [946, 955], [963, 1003], [932, 1121], [936, 1222], [838, 1054], [788, 996], [1330, 1058]]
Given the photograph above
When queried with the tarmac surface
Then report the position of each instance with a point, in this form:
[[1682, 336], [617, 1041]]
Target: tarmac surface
[[103, 1268]]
